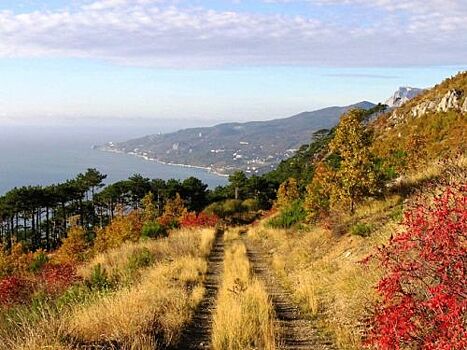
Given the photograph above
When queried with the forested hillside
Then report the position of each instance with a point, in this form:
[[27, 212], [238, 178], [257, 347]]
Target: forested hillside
[[358, 241]]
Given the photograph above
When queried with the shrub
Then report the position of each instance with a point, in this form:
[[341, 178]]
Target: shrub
[[233, 206], [56, 278], [139, 259], [289, 216], [191, 220], [19, 260], [123, 228], [361, 229], [251, 204], [287, 192], [423, 293], [153, 229], [99, 278], [174, 209], [74, 246], [39, 260], [14, 290]]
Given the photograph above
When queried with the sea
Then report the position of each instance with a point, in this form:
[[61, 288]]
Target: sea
[[42, 155]]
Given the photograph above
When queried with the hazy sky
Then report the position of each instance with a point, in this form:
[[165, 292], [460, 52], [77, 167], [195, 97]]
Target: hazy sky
[[214, 60]]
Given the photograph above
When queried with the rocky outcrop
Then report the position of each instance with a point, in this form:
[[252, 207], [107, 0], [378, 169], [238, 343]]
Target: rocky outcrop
[[453, 100], [450, 101], [423, 108]]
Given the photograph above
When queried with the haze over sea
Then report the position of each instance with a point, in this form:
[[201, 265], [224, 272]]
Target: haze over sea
[[42, 155]]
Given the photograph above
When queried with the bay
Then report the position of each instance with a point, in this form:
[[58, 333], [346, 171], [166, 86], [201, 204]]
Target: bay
[[42, 155]]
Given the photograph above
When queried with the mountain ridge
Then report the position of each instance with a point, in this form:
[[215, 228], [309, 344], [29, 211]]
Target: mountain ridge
[[254, 147]]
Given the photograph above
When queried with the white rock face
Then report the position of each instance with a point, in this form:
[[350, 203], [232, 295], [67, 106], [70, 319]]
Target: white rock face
[[402, 95], [450, 101]]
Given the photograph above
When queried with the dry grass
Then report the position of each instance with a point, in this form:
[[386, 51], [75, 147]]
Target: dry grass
[[322, 270], [158, 306], [324, 275], [118, 263], [244, 314], [150, 306]]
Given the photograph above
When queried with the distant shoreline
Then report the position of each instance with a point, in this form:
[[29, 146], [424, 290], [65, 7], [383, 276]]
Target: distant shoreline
[[207, 169]]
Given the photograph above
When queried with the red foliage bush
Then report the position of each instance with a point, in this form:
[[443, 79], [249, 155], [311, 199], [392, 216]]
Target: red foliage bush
[[14, 290], [424, 291], [56, 278], [191, 220]]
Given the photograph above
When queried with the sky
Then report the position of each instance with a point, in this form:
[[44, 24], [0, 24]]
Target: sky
[[122, 61]]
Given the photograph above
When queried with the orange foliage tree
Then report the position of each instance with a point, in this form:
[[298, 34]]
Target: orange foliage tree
[[122, 228], [73, 247], [174, 210]]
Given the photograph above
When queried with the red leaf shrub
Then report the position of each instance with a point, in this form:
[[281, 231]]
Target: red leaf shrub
[[14, 290], [424, 291], [191, 220], [56, 278]]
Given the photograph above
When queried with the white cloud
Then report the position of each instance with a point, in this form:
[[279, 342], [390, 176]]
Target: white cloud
[[155, 33]]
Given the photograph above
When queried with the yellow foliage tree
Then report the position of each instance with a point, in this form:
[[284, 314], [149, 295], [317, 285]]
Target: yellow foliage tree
[[174, 210], [73, 247], [4, 264], [287, 192], [19, 259], [416, 151], [122, 228], [355, 176], [318, 192], [149, 212]]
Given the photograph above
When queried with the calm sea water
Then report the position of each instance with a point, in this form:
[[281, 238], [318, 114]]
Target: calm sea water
[[46, 155]]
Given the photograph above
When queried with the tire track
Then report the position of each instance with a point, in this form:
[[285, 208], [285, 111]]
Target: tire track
[[296, 330], [197, 334]]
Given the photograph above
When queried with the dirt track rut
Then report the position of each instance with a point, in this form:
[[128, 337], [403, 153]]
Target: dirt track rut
[[197, 335], [297, 331]]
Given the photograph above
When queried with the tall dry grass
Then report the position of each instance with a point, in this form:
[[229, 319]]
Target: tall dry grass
[[156, 309], [322, 270], [118, 264], [325, 277], [244, 316], [139, 312]]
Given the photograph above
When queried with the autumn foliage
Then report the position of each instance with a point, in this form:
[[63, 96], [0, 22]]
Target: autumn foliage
[[14, 290], [424, 291], [56, 278], [123, 228], [191, 220]]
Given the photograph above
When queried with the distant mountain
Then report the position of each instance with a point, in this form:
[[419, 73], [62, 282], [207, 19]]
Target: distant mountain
[[254, 147], [402, 95]]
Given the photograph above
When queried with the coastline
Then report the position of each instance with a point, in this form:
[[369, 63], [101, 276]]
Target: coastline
[[207, 169]]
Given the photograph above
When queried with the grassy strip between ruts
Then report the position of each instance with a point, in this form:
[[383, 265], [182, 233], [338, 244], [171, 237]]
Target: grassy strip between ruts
[[244, 316]]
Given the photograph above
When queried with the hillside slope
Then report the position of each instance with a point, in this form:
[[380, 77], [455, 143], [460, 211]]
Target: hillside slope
[[428, 127], [254, 147]]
